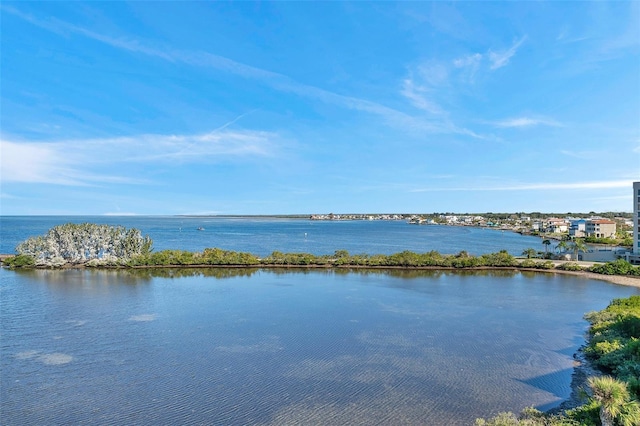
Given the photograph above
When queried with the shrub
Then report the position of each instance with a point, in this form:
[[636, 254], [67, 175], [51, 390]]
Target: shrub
[[80, 243], [615, 340], [546, 265], [216, 256], [528, 263], [570, 266], [617, 267], [502, 258], [19, 261]]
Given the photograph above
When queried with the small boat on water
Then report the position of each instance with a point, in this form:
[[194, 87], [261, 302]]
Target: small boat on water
[[200, 228]]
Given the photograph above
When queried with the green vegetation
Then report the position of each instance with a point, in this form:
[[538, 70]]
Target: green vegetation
[[570, 266], [528, 417], [614, 343], [614, 347], [617, 267], [19, 261], [208, 257], [607, 241], [616, 405]]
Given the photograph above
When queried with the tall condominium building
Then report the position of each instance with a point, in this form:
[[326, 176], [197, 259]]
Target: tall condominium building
[[636, 218]]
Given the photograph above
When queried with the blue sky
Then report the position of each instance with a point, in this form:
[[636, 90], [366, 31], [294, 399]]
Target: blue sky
[[318, 107]]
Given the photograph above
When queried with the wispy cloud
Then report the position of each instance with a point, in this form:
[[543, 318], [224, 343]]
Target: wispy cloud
[[525, 122], [546, 186], [70, 162], [419, 97], [35, 163], [500, 59], [470, 64], [201, 59]]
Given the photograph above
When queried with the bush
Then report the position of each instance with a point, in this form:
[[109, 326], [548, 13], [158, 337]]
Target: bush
[[528, 263], [570, 266], [546, 265], [615, 340], [80, 243], [502, 258], [19, 261], [617, 267], [216, 256]]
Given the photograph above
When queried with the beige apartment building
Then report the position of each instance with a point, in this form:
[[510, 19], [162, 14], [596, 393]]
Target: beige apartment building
[[636, 218], [600, 228]]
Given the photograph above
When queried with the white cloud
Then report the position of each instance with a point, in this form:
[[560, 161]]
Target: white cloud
[[500, 59], [275, 80], [73, 162], [418, 95], [525, 122], [35, 163], [470, 65]]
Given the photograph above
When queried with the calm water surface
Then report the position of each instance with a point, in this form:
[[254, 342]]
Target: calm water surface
[[237, 347], [261, 236]]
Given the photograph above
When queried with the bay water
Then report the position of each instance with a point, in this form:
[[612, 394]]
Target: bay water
[[263, 235], [275, 347]]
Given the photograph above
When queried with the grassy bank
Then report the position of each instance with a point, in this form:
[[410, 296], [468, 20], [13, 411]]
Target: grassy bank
[[614, 348]]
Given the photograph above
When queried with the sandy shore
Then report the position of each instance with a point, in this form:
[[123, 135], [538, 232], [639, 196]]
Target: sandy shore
[[614, 279]]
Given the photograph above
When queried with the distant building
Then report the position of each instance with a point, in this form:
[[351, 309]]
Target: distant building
[[578, 228], [600, 228], [636, 218], [556, 225]]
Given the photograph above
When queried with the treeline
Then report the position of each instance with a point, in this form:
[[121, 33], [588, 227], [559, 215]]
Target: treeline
[[219, 257], [340, 258], [613, 347]]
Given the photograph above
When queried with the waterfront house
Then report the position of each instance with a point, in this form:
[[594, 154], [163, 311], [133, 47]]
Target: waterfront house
[[600, 228], [578, 228], [556, 225]]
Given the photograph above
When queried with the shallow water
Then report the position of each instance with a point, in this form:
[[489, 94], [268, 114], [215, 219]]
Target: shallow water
[[236, 347]]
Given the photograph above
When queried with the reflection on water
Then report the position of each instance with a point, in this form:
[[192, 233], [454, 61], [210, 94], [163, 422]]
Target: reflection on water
[[248, 346], [69, 278]]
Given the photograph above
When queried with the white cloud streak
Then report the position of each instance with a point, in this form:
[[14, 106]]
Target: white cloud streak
[[278, 81], [418, 96], [500, 59], [525, 122], [275, 80], [70, 162]]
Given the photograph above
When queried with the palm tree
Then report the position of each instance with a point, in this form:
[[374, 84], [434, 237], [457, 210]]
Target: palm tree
[[577, 246], [612, 395], [562, 246], [530, 252], [546, 243], [630, 415]]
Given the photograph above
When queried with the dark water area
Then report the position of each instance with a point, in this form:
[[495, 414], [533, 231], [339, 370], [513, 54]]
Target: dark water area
[[262, 236], [273, 347]]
